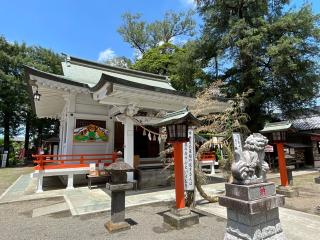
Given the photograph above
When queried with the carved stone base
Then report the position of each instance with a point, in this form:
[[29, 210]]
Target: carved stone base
[[265, 225], [181, 218], [278, 236], [288, 191], [252, 212]]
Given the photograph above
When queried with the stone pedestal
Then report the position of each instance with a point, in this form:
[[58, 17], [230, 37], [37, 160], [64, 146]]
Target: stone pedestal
[[287, 191], [117, 222], [181, 218], [252, 212]]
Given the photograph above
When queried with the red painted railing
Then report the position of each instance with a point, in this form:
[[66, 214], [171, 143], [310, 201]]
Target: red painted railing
[[210, 156], [72, 161]]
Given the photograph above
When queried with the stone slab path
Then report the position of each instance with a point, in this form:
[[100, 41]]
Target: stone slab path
[[54, 208], [83, 201]]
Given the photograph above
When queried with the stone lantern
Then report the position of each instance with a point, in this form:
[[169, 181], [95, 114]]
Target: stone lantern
[[177, 124], [118, 186]]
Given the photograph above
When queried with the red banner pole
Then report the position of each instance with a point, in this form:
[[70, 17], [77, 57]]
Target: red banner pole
[[178, 172]]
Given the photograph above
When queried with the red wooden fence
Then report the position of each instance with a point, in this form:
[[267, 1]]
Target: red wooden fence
[[72, 161]]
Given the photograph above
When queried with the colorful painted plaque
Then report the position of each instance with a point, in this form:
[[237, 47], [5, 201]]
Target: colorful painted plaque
[[90, 133]]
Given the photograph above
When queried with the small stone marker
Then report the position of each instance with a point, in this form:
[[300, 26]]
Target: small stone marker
[[252, 203], [118, 186]]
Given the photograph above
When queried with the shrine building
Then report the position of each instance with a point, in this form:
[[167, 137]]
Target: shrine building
[[103, 109]]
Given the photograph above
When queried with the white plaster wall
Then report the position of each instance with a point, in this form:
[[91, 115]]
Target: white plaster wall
[[85, 104]]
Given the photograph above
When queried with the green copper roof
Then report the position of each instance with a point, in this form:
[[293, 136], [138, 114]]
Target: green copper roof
[[103, 79], [277, 126], [90, 73], [180, 116]]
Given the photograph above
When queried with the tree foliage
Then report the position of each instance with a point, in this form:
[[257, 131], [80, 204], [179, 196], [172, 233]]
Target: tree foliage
[[260, 46], [176, 62], [143, 36], [12, 99], [158, 59], [15, 107], [219, 123]]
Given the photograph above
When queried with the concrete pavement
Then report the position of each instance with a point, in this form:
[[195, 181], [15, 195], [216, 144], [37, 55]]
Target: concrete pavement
[[296, 225]]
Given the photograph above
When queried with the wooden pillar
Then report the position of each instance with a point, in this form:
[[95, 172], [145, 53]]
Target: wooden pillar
[[178, 172], [282, 165]]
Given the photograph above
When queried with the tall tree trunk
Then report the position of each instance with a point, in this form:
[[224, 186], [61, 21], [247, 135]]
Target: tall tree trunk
[[6, 133]]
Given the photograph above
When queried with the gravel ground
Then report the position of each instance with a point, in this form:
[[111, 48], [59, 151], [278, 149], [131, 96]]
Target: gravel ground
[[309, 194], [17, 224]]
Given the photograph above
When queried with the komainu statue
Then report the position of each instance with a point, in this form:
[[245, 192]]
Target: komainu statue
[[249, 166]]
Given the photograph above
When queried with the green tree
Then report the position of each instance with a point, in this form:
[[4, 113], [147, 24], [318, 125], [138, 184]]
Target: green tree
[[187, 73], [14, 100], [143, 36], [45, 60], [262, 47], [157, 60], [176, 62]]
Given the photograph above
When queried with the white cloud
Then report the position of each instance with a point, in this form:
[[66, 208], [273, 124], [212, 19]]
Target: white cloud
[[188, 3], [106, 55]]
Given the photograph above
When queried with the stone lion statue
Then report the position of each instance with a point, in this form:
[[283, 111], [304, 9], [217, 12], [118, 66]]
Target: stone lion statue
[[249, 166]]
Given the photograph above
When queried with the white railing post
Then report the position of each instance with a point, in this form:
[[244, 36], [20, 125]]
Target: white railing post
[[40, 182]]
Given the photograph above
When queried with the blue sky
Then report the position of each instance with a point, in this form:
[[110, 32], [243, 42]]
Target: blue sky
[[80, 27]]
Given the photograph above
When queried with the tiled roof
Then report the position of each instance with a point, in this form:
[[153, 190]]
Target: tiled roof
[[307, 123]]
